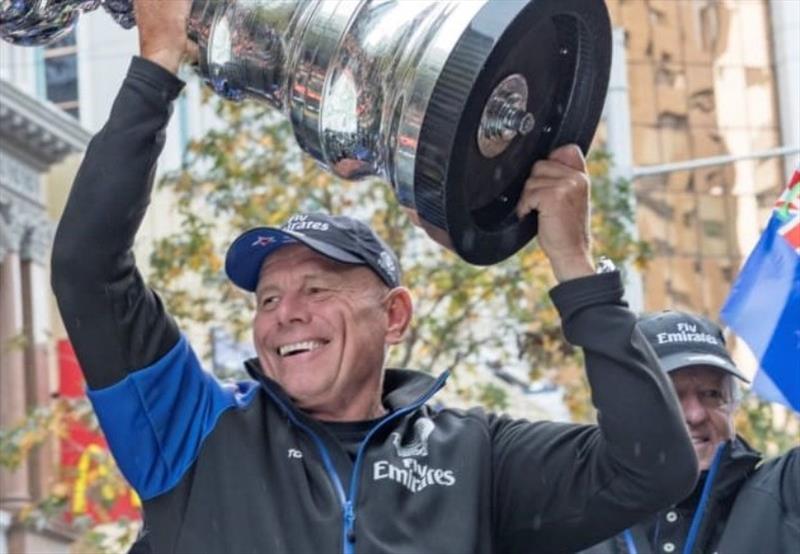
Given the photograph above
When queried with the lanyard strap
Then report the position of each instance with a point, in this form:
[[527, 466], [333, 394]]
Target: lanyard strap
[[629, 542], [701, 507]]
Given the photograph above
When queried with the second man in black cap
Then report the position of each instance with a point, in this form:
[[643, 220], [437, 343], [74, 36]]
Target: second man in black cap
[[740, 505]]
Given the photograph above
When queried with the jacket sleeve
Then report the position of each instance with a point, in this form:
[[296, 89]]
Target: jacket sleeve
[[155, 403], [765, 516], [562, 487], [789, 485], [116, 324]]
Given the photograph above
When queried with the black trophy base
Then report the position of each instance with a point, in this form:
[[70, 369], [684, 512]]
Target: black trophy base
[[563, 50]]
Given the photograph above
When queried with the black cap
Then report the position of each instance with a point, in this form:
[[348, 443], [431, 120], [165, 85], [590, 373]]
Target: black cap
[[681, 339], [340, 238]]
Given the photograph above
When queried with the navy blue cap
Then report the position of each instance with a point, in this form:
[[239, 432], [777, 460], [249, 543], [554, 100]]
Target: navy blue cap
[[681, 339], [340, 238]]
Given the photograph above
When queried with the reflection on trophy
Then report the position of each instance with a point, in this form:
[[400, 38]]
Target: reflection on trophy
[[450, 102]]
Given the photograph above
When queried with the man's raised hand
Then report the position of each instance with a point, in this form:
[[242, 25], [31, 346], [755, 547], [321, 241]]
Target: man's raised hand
[[162, 32], [558, 188]]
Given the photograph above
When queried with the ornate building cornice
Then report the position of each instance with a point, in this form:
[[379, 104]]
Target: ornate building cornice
[[35, 245], [37, 132], [18, 179], [24, 228], [34, 135]]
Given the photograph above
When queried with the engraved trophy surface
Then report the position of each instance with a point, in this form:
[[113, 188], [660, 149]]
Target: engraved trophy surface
[[448, 101]]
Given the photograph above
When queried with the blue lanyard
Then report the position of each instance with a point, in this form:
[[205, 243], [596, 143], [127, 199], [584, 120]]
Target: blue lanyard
[[629, 542], [701, 507]]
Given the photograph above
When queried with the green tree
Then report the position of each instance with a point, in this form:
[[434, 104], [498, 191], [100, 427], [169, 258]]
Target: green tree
[[81, 497], [769, 428]]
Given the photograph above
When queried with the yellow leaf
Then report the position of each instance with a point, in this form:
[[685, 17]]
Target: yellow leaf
[[107, 492], [60, 490]]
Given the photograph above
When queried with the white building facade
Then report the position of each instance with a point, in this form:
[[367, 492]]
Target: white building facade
[[52, 100]]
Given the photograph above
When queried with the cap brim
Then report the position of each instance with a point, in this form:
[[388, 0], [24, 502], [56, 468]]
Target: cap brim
[[247, 253], [680, 360]]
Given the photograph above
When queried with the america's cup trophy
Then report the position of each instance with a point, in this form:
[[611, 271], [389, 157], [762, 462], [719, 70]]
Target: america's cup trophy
[[448, 101]]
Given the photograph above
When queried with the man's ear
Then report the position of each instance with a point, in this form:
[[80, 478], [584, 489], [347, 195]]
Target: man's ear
[[399, 311]]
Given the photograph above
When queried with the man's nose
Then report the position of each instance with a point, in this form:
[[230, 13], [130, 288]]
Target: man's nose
[[293, 308], [693, 410]]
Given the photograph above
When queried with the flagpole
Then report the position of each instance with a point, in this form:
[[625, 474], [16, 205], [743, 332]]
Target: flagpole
[[618, 130], [650, 170]]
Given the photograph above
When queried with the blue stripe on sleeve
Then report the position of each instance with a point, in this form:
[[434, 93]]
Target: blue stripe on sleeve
[[156, 419]]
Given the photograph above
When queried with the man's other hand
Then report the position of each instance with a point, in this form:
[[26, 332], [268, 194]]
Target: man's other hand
[[558, 188], [162, 32]]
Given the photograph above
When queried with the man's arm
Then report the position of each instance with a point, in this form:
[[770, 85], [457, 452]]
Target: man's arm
[[153, 400], [563, 487], [116, 324], [765, 516]]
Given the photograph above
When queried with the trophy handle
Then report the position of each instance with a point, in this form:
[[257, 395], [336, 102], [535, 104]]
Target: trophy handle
[[121, 11]]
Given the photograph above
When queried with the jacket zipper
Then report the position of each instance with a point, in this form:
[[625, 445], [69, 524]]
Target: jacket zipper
[[346, 501], [349, 538], [353, 496]]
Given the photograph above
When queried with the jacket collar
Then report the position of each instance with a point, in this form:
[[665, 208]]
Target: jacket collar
[[401, 387], [735, 467], [738, 461]]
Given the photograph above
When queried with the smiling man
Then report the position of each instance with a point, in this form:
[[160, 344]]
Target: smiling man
[[738, 506], [324, 449], [328, 303]]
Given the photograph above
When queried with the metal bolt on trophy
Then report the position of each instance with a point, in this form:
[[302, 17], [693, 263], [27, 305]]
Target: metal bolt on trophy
[[450, 102]]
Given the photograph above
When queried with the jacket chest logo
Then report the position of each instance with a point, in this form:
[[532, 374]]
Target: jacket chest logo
[[409, 472], [418, 446]]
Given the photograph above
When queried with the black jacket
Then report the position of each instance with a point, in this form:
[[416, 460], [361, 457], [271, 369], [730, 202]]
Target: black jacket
[[239, 469], [737, 507]]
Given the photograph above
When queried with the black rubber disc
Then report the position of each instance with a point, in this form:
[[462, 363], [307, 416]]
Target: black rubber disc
[[563, 49]]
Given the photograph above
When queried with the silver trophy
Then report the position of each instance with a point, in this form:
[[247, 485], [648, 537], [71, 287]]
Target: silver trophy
[[448, 101]]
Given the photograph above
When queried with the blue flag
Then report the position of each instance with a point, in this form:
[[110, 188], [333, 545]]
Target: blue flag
[[763, 307]]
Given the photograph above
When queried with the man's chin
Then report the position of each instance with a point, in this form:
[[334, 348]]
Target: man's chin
[[704, 453], [305, 395]]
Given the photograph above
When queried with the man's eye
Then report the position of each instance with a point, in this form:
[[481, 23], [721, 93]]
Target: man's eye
[[712, 397], [268, 301]]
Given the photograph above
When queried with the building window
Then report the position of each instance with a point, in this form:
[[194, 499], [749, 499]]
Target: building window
[[61, 73]]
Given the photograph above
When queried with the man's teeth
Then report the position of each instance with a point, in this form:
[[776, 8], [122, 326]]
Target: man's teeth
[[298, 347]]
